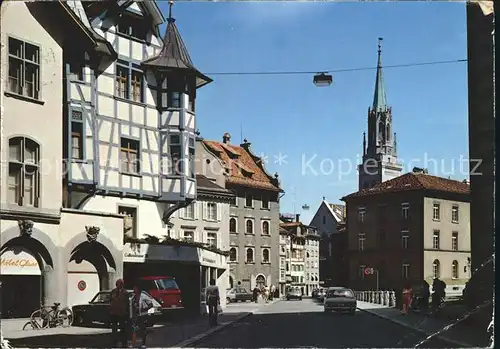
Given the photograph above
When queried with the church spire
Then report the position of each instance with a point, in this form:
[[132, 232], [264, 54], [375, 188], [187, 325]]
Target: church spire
[[379, 98]]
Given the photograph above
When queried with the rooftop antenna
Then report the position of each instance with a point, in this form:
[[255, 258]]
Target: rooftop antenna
[[241, 131]]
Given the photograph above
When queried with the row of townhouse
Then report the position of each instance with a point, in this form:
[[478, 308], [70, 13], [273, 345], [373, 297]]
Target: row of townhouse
[[105, 174], [299, 255]]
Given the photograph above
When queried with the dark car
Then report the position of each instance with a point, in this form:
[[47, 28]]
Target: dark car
[[238, 294], [97, 310], [293, 293], [340, 299]]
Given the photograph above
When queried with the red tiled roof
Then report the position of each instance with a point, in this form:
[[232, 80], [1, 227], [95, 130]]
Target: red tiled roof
[[414, 181], [243, 167]]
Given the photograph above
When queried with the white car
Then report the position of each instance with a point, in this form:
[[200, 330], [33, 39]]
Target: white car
[[340, 299]]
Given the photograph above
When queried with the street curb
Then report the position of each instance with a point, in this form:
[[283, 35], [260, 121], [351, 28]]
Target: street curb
[[401, 323], [199, 337]]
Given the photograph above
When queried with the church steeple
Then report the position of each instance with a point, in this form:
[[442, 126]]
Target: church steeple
[[379, 98], [380, 147]]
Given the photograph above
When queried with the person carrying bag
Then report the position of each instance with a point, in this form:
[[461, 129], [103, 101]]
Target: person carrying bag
[[213, 302], [139, 315]]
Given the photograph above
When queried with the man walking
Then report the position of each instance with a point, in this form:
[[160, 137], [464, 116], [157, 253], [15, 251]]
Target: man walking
[[119, 313], [213, 302]]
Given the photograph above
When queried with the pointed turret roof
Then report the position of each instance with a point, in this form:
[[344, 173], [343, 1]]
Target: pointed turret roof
[[174, 54], [379, 98]]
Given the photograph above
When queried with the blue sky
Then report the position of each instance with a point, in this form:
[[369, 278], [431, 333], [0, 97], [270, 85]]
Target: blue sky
[[289, 115]]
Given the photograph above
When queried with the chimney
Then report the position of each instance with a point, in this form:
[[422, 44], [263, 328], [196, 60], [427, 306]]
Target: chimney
[[466, 181], [297, 217], [420, 170], [226, 138]]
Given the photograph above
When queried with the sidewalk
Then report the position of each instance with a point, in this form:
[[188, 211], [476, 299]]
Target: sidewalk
[[179, 334], [459, 335]]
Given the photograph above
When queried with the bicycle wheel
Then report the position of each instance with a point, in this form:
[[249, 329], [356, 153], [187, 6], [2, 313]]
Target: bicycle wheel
[[39, 319], [29, 326], [65, 317]]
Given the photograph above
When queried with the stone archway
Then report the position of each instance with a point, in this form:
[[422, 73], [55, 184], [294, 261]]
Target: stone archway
[[27, 267], [260, 281], [91, 267]]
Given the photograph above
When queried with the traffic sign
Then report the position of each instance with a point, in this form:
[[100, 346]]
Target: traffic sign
[[368, 271]]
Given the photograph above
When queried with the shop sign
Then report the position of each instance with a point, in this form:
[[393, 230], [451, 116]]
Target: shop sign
[[22, 263]]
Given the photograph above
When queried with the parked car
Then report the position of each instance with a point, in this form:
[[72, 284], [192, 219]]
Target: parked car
[[238, 294], [97, 310], [164, 289], [293, 293], [340, 299]]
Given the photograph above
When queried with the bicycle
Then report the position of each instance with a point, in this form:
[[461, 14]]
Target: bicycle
[[49, 317]]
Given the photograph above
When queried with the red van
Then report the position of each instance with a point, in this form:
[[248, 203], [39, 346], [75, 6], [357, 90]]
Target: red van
[[164, 289]]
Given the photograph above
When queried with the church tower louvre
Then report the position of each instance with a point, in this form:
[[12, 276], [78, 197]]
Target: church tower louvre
[[380, 161]]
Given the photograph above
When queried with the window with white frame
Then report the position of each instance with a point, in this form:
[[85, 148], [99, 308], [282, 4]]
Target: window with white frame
[[405, 269], [233, 254], [404, 239], [248, 200], [405, 211], [435, 240], [265, 202], [232, 225], [211, 211], [175, 155], [23, 186], [454, 241], [361, 241], [129, 82], [212, 239], [436, 211], [282, 262], [454, 270], [24, 68], [436, 269], [249, 226], [282, 274], [265, 228], [265, 255], [129, 156], [188, 235], [454, 214], [361, 214], [192, 160], [249, 255]]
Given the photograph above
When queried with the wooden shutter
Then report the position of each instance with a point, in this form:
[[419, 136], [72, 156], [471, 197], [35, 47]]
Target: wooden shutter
[[219, 213], [204, 210]]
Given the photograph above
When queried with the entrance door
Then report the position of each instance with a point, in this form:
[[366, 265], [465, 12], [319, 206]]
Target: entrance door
[[21, 283], [260, 281]]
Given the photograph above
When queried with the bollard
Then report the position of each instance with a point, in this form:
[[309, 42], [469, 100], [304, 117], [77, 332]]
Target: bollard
[[393, 299], [364, 296], [386, 298], [377, 297], [371, 297]]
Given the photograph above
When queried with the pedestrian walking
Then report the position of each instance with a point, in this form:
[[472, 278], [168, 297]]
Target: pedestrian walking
[[426, 293], [213, 302], [407, 296], [266, 294], [255, 294], [139, 307], [119, 311]]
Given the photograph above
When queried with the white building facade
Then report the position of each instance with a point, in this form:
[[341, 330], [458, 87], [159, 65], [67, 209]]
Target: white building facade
[[49, 253]]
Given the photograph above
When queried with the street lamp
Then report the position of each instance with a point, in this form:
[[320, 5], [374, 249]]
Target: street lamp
[[322, 80]]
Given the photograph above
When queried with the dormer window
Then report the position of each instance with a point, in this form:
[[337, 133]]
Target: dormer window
[[132, 26]]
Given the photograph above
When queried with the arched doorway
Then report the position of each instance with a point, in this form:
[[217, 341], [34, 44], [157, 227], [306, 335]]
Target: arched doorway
[[89, 268], [260, 281], [23, 262]]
